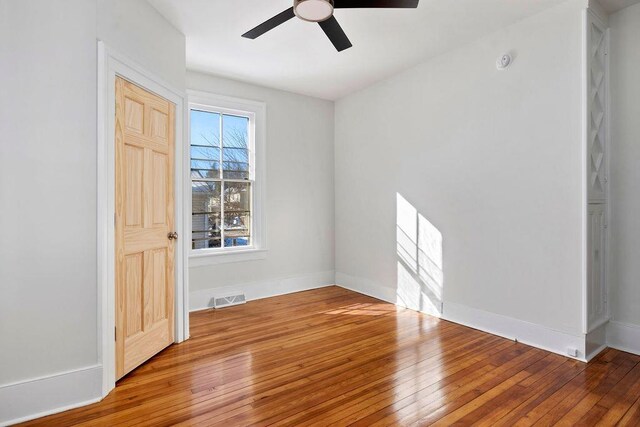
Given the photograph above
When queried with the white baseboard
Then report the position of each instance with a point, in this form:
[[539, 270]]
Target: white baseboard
[[508, 327], [515, 329], [596, 340], [623, 336], [200, 300], [424, 304], [38, 397], [366, 287]]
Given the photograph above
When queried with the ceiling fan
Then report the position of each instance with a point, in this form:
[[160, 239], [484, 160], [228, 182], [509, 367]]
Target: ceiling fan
[[321, 11]]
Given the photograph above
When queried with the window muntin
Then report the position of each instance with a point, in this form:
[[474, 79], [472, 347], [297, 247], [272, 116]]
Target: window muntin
[[221, 179]]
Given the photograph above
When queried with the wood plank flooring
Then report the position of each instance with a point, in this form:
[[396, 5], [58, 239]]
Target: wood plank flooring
[[334, 357]]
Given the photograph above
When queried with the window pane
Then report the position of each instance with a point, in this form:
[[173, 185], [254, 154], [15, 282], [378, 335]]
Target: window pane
[[206, 231], [237, 215], [235, 164], [205, 153], [206, 214], [235, 151], [205, 162], [200, 170], [205, 128], [205, 144], [205, 196], [235, 131]]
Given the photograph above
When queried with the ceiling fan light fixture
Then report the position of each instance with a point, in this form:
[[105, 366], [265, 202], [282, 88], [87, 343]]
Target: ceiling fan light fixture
[[313, 10]]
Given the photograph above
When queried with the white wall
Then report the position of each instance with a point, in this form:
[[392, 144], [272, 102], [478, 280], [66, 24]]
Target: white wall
[[48, 290], [300, 200], [492, 158], [625, 160], [136, 29], [47, 187]]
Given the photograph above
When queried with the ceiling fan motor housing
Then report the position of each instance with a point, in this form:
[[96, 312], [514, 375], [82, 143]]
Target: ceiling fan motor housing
[[313, 10]]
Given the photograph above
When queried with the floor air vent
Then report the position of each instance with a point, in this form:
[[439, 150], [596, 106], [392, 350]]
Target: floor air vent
[[221, 302]]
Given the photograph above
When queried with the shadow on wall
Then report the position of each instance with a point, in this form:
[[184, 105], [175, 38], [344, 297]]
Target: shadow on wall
[[419, 250]]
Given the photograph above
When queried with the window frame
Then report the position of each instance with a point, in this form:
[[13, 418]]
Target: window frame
[[256, 112]]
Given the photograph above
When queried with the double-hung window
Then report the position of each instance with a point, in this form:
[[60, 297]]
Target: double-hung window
[[225, 196]]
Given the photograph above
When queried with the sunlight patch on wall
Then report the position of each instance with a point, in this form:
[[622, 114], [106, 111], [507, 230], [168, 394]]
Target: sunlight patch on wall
[[420, 261]]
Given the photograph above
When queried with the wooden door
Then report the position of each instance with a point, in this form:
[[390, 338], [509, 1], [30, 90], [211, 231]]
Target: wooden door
[[144, 241]]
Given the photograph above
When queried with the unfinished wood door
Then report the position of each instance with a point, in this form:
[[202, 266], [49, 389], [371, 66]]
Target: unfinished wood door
[[144, 241]]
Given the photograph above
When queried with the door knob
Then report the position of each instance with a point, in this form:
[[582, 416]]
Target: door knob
[[173, 235]]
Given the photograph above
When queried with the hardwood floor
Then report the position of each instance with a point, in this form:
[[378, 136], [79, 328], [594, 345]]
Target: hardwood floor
[[334, 357]]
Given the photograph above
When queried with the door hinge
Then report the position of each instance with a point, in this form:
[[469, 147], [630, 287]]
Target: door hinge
[[115, 333]]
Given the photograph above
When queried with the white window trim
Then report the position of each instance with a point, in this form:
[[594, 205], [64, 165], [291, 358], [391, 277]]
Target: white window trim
[[257, 111]]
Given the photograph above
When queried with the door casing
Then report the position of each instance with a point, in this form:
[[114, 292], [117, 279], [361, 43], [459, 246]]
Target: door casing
[[110, 65]]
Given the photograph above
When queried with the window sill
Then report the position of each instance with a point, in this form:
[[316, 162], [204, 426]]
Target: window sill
[[224, 257]]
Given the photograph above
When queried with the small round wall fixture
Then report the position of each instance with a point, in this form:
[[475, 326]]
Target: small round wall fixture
[[313, 10], [503, 61]]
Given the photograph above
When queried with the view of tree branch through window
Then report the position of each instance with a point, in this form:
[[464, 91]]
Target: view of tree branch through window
[[221, 181]]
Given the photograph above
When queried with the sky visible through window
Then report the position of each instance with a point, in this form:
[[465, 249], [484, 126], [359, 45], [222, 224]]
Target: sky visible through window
[[205, 145]]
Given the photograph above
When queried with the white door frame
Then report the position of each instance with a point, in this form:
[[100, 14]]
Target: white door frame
[[110, 65]]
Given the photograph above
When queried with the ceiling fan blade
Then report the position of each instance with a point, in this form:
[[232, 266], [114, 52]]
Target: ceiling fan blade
[[344, 4], [270, 24], [334, 31]]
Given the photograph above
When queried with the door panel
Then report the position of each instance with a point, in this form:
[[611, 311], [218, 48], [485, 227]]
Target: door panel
[[134, 161], [159, 208], [133, 293], [134, 116], [159, 129], [144, 218], [596, 279], [159, 280]]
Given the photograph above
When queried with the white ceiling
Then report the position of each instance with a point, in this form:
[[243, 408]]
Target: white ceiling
[[298, 57]]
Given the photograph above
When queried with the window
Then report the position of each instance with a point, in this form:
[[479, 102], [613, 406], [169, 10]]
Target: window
[[225, 194]]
